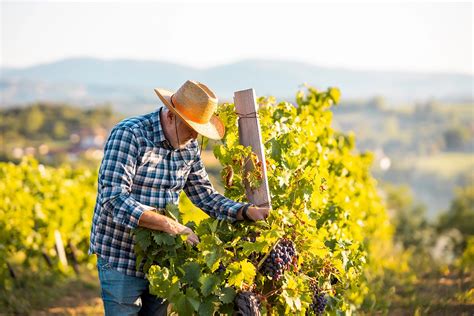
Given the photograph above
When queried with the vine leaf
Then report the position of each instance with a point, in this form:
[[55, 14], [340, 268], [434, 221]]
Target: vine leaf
[[227, 295], [143, 238], [209, 284], [163, 239], [192, 272], [240, 272]]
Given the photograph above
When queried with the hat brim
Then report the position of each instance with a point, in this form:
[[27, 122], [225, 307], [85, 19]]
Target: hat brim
[[214, 129]]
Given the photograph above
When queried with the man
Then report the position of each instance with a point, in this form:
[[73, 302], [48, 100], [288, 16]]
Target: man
[[148, 160]]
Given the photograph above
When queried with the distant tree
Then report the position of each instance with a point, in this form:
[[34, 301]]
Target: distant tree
[[377, 103], [455, 137], [59, 130], [461, 212], [427, 108], [408, 216], [32, 120]]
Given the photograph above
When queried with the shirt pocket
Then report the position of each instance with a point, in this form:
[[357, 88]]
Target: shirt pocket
[[154, 170]]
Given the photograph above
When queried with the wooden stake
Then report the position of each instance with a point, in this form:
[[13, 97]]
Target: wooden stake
[[250, 135], [60, 248]]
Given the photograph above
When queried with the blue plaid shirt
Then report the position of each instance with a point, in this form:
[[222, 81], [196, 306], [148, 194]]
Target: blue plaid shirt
[[141, 171]]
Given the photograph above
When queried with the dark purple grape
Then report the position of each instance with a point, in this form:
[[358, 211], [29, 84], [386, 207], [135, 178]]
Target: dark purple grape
[[319, 301], [279, 259]]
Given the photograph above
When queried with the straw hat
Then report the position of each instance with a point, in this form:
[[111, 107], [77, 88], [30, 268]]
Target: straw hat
[[195, 104]]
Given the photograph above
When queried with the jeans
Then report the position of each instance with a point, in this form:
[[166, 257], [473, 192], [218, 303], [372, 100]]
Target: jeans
[[127, 295]]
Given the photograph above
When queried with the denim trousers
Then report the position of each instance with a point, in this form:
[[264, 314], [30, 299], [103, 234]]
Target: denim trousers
[[127, 295]]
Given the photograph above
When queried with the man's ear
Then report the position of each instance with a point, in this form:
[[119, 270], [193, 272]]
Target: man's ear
[[170, 115]]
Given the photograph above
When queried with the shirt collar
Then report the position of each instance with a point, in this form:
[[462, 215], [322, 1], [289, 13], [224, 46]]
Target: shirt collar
[[160, 138]]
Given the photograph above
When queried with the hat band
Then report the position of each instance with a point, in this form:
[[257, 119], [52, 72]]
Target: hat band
[[187, 115]]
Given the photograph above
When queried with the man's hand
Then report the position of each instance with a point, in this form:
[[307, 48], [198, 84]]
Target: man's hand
[[255, 213], [258, 213], [153, 220], [192, 239]]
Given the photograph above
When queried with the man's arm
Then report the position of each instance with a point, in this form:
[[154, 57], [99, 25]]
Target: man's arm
[[116, 178], [155, 221], [201, 192]]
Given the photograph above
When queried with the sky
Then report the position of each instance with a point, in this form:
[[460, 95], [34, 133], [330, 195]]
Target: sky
[[421, 37]]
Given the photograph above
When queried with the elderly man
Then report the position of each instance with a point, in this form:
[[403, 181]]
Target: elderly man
[[148, 160]]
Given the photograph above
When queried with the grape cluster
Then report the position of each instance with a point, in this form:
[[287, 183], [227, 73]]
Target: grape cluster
[[319, 301], [280, 259], [246, 304]]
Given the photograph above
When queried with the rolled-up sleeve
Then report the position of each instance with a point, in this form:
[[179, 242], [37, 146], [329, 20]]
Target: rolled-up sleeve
[[116, 178], [201, 192]]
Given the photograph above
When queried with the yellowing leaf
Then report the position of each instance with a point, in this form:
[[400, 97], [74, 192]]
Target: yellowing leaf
[[240, 272]]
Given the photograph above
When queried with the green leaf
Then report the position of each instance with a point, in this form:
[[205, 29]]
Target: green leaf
[[143, 238], [192, 272], [210, 258], [207, 308], [276, 150], [172, 211], [147, 265], [208, 284], [227, 295], [249, 247], [331, 243], [161, 238], [160, 281], [183, 306], [138, 261], [214, 225], [192, 297]]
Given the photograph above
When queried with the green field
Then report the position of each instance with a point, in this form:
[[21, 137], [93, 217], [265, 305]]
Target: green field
[[447, 165]]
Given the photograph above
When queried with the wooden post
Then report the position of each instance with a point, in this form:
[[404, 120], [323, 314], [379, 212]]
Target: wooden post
[[250, 135], [60, 248]]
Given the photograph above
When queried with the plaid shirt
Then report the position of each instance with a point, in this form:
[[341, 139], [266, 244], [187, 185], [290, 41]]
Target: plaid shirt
[[141, 171]]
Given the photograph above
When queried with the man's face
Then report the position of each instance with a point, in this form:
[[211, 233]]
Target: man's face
[[185, 133]]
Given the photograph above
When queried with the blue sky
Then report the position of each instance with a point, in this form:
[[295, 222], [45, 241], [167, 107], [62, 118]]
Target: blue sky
[[421, 37]]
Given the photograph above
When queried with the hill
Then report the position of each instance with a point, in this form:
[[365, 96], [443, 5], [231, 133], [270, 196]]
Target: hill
[[128, 84]]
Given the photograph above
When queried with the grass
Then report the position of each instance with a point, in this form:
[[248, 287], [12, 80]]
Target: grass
[[77, 296], [44, 293], [436, 294]]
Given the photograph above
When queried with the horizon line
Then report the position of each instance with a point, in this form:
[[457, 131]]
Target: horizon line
[[332, 67]]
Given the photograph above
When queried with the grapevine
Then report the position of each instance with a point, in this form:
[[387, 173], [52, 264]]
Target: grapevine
[[36, 203], [311, 253]]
